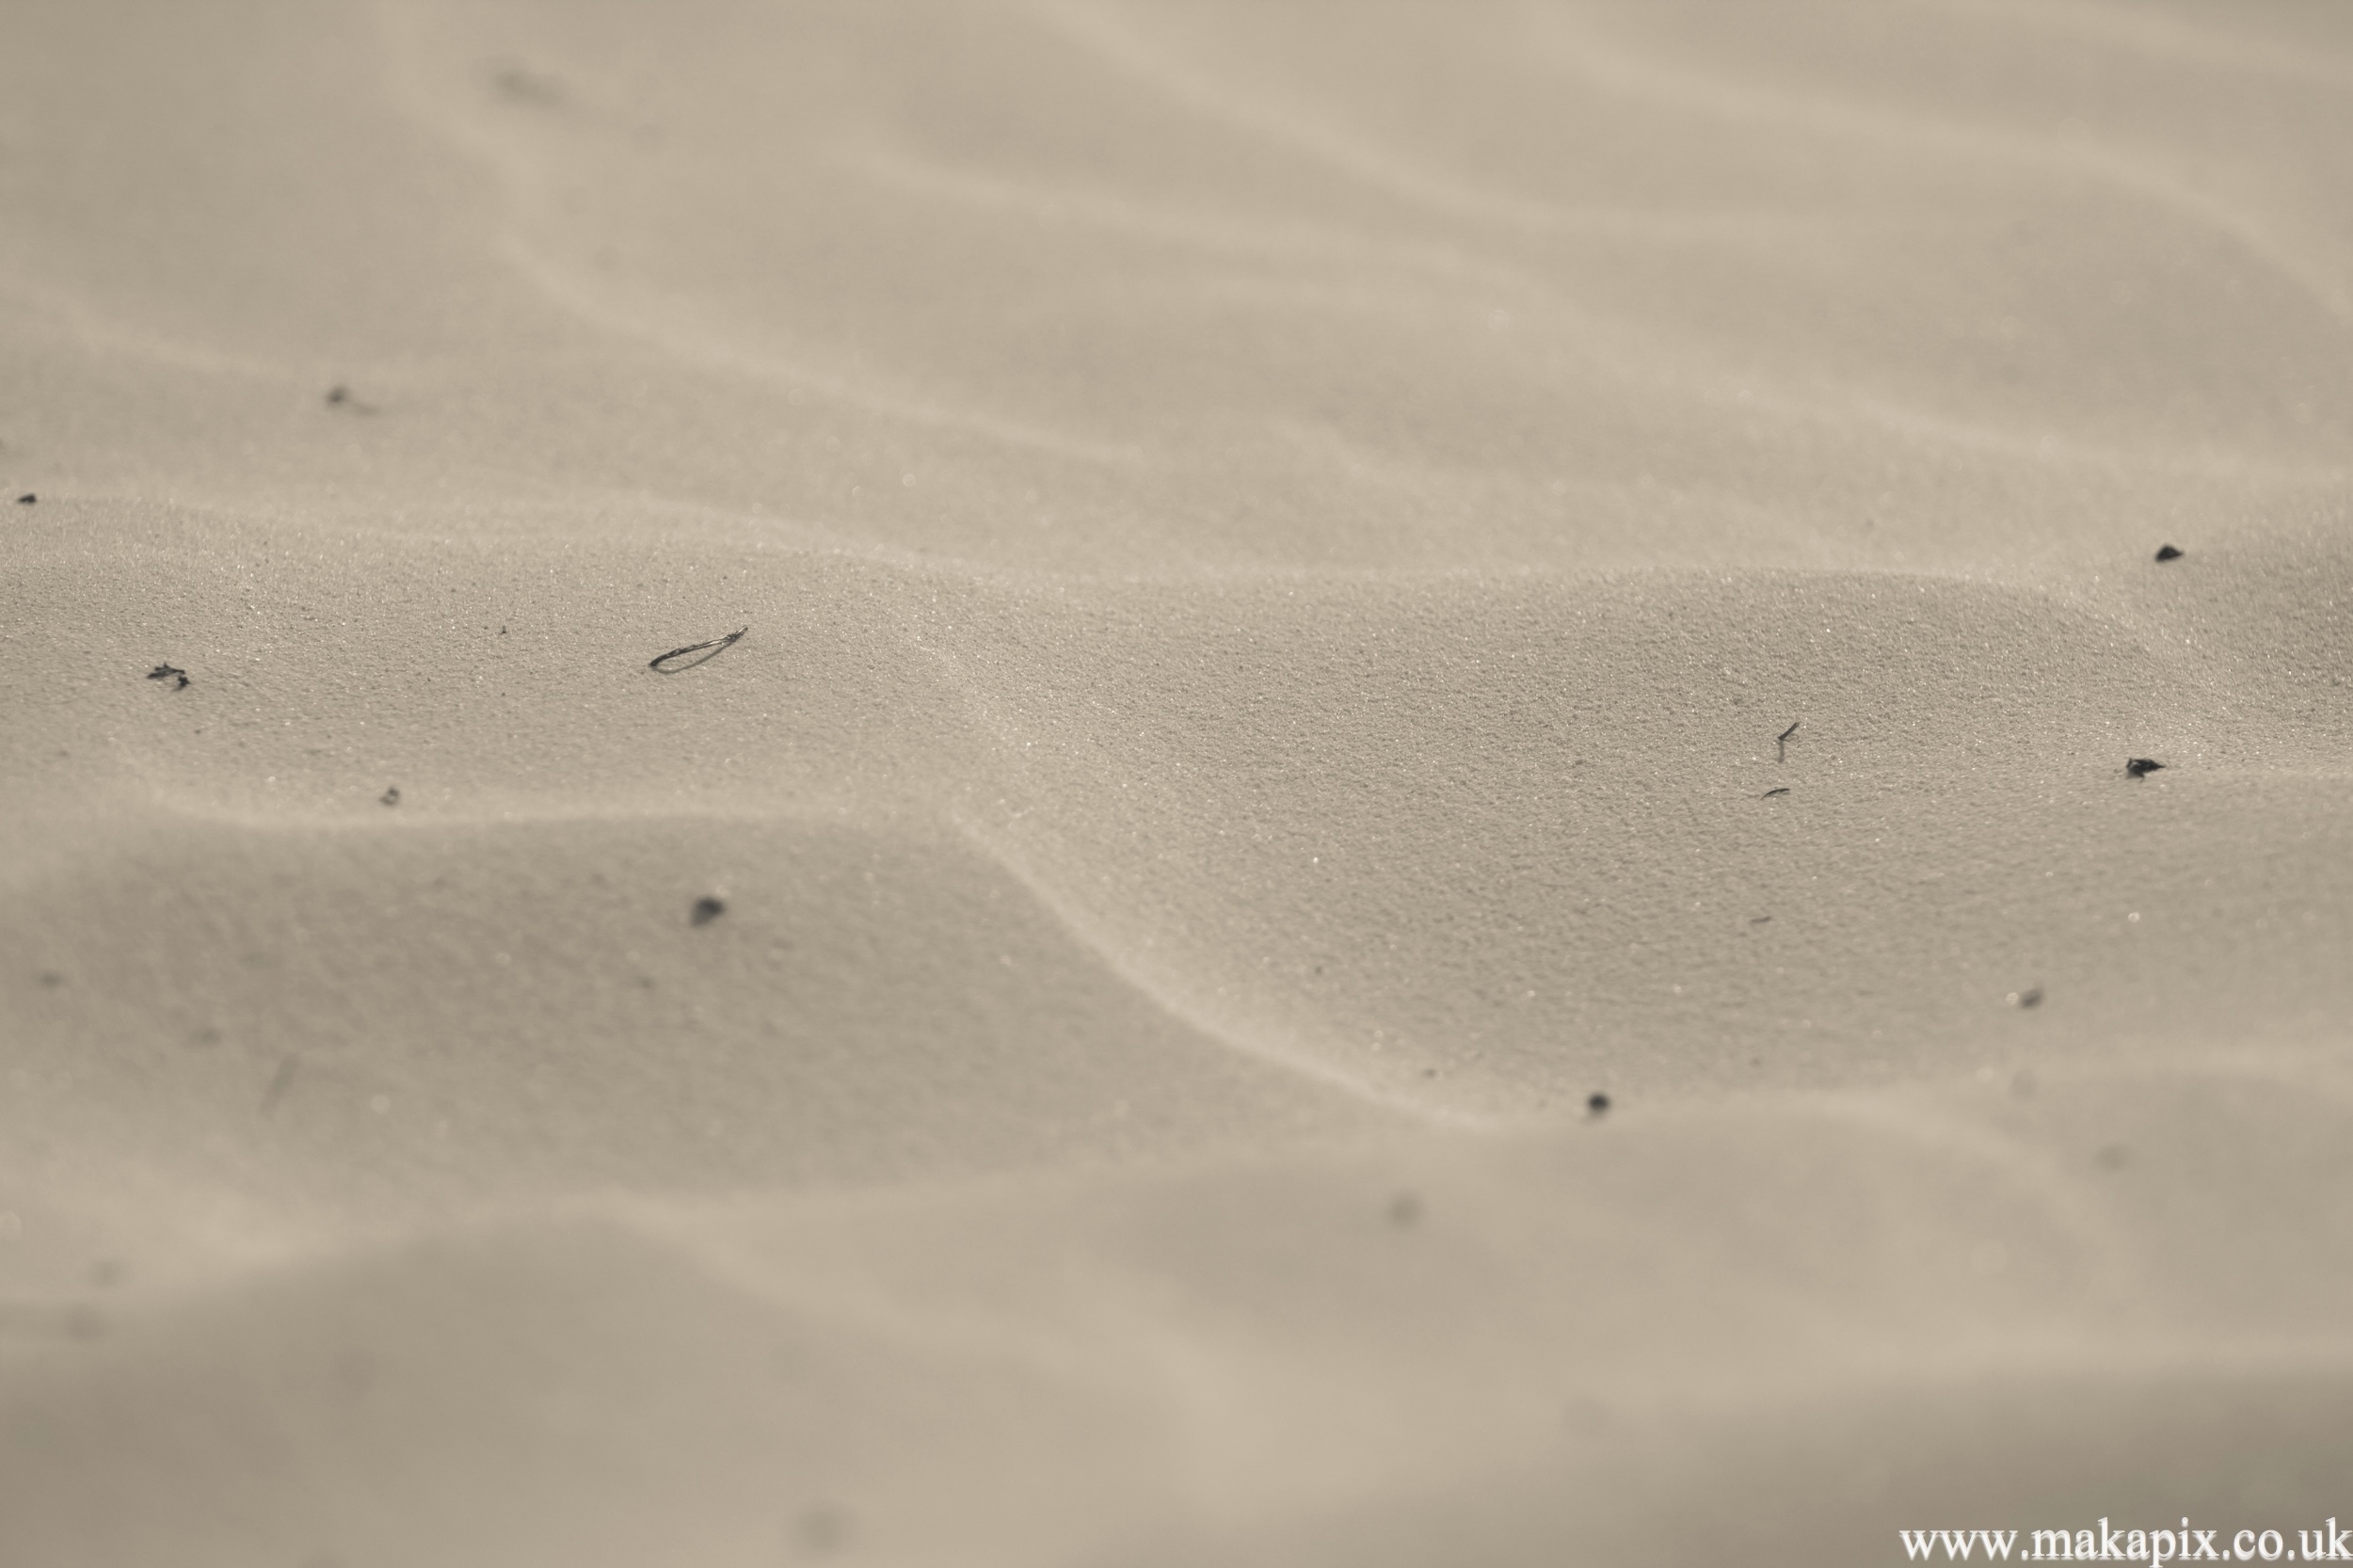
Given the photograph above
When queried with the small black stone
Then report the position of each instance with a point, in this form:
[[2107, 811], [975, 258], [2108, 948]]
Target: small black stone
[[2166, 552], [390, 796], [2140, 767], [707, 910], [26, 498], [1597, 1103]]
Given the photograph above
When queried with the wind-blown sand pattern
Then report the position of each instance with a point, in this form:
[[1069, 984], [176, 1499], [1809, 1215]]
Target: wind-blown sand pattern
[[1277, 543]]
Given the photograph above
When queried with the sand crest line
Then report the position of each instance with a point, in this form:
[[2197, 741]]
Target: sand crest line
[[1304, 1063], [1581, 50]]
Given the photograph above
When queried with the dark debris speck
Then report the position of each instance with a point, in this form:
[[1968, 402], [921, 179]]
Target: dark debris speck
[[707, 910], [521, 85], [2166, 552], [281, 1080], [823, 1530], [1596, 1104], [2141, 767]]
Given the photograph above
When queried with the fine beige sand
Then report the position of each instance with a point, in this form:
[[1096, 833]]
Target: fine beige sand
[[1277, 547]]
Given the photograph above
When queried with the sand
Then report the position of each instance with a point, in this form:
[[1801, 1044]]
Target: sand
[[1277, 548]]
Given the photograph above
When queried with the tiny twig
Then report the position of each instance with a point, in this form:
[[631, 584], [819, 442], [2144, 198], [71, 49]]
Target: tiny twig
[[716, 645], [169, 672], [1770, 794], [1781, 742], [280, 1082]]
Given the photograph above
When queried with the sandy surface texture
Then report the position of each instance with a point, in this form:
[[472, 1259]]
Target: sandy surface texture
[[1418, 850]]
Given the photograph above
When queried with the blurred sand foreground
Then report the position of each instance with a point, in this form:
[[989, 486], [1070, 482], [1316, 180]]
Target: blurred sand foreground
[[1279, 544]]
